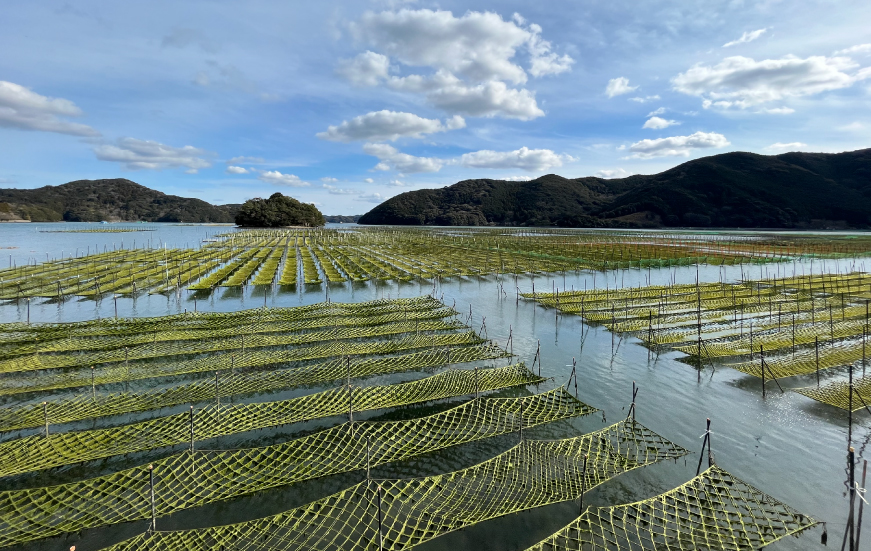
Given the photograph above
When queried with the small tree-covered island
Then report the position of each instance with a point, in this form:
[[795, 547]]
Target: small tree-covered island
[[277, 211]]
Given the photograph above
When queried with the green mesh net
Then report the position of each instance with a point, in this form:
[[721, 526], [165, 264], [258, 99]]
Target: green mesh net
[[232, 383], [50, 450], [714, 510], [837, 393], [531, 474], [189, 479]]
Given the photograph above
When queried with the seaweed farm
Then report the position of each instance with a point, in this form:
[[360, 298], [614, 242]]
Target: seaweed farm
[[291, 257], [431, 388]]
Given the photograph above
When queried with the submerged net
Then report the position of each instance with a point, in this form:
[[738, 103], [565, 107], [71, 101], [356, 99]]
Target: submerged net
[[804, 361], [837, 393], [149, 351], [714, 510], [120, 373], [45, 451], [92, 405], [531, 474], [189, 479]]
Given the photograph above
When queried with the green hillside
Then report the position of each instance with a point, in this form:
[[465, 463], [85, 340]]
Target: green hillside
[[735, 190], [111, 200]]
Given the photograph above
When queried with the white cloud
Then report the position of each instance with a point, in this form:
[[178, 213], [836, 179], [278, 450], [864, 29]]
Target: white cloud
[[743, 82], [137, 154], [746, 37], [368, 180], [613, 173], [658, 123], [523, 158], [645, 99], [367, 69], [372, 198], [792, 146], [542, 60], [478, 46], [333, 190], [388, 125], [24, 109], [277, 178], [488, 99], [659, 111], [328, 180], [473, 56], [618, 86], [396, 183], [676, 146], [236, 170], [517, 178], [857, 49], [391, 158]]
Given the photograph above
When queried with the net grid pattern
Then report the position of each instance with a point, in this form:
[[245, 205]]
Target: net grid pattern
[[190, 479]]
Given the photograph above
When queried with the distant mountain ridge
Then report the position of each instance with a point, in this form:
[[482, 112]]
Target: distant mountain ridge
[[112, 200], [731, 190]]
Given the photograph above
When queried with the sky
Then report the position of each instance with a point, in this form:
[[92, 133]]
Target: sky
[[346, 104]]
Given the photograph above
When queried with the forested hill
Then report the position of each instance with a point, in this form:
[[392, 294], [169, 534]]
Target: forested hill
[[111, 200], [732, 190]]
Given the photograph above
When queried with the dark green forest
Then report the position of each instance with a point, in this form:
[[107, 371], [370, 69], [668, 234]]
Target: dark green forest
[[732, 190]]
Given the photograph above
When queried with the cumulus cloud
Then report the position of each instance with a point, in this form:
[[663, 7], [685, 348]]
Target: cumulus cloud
[[613, 173], [655, 112], [391, 158], [618, 86], [478, 46], [396, 183], [137, 154], [645, 99], [746, 37], [523, 158], [857, 49], [473, 57], [236, 170], [854, 126], [277, 178], [676, 146], [24, 109], [333, 190], [367, 69], [518, 178], [658, 123], [743, 82], [488, 99], [792, 146], [368, 180], [380, 126], [542, 60], [328, 180]]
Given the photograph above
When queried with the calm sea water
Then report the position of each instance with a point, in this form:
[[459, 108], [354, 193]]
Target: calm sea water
[[787, 445]]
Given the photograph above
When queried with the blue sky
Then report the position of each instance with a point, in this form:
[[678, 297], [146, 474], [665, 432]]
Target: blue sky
[[344, 104]]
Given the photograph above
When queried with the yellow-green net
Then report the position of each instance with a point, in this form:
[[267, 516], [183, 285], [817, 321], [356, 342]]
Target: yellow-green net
[[714, 510]]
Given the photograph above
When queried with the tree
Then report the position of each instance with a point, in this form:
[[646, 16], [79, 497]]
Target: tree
[[277, 211]]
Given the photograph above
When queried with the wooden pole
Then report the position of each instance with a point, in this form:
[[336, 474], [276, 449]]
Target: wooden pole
[[861, 505], [583, 485], [153, 526], [705, 442], [380, 532], [762, 367]]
